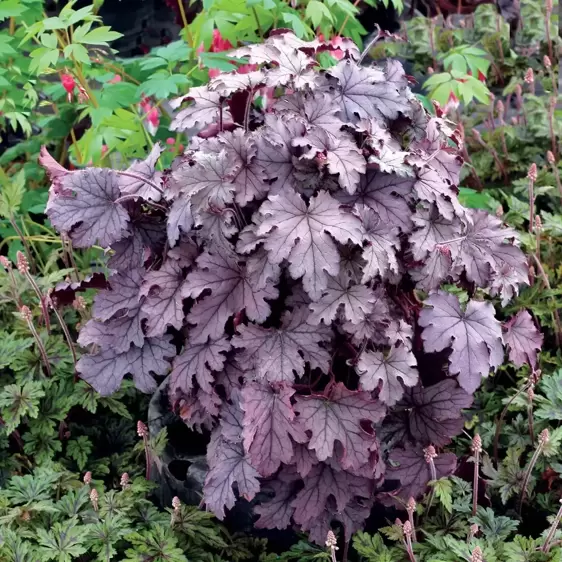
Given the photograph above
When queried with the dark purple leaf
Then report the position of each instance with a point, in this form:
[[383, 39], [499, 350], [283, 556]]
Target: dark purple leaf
[[231, 292], [105, 370], [228, 466], [269, 426], [338, 417], [277, 355], [198, 360]]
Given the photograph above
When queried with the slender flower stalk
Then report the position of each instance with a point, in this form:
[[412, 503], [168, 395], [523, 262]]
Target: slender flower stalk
[[476, 451], [430, 454], [551, 108], [411, 509], [142, 431], [493, 152], [7, 265], [552, 531], [23, 268], [533, 379], [531, 396], [532, 177], [543, 440], [28, 317], [519, 103], [551, 159], [501, 111], [64, 328], [547, 19]]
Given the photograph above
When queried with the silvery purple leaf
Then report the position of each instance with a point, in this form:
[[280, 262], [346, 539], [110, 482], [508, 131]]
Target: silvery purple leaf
[[395, 370], [523, 339], [131, 182], [301, 234], [163, 305], [276, 513], [122, 296], [356, 302], [231, 292], [228, 83], [364, 93], [380, 252], [474, 335], [433, 188], [278, 354], [343, 158], [86, 208], [180, 219], [198, 360], [205, 108], [386, 195]]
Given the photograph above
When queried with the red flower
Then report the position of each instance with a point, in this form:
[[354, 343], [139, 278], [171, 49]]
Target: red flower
[[481, 76], [213, 72], [68, 84], [219, 44], [171, 141], [152, 117]]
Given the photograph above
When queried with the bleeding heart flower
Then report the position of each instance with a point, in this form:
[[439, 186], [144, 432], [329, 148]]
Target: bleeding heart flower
[[68, 84], [213, 72], [115, 79], [481, 76], [219, 43], [171, 141]]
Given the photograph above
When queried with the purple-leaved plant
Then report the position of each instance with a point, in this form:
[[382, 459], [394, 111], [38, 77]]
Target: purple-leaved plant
[[296, 256]]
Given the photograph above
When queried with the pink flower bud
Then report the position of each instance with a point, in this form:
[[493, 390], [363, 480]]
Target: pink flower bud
[[6, 263], [476, 444], [529, 76], [125, 481], [22, 263], [550, 157], [546, 61], [142, 430], [68, 82], [429, 453], [176, 503], [94, 497], [171, 141], [532, 173], [26, 313], [331, 541], [87, 477]]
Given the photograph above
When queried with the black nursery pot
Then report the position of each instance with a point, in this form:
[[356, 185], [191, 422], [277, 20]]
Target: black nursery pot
[[182, 467]]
